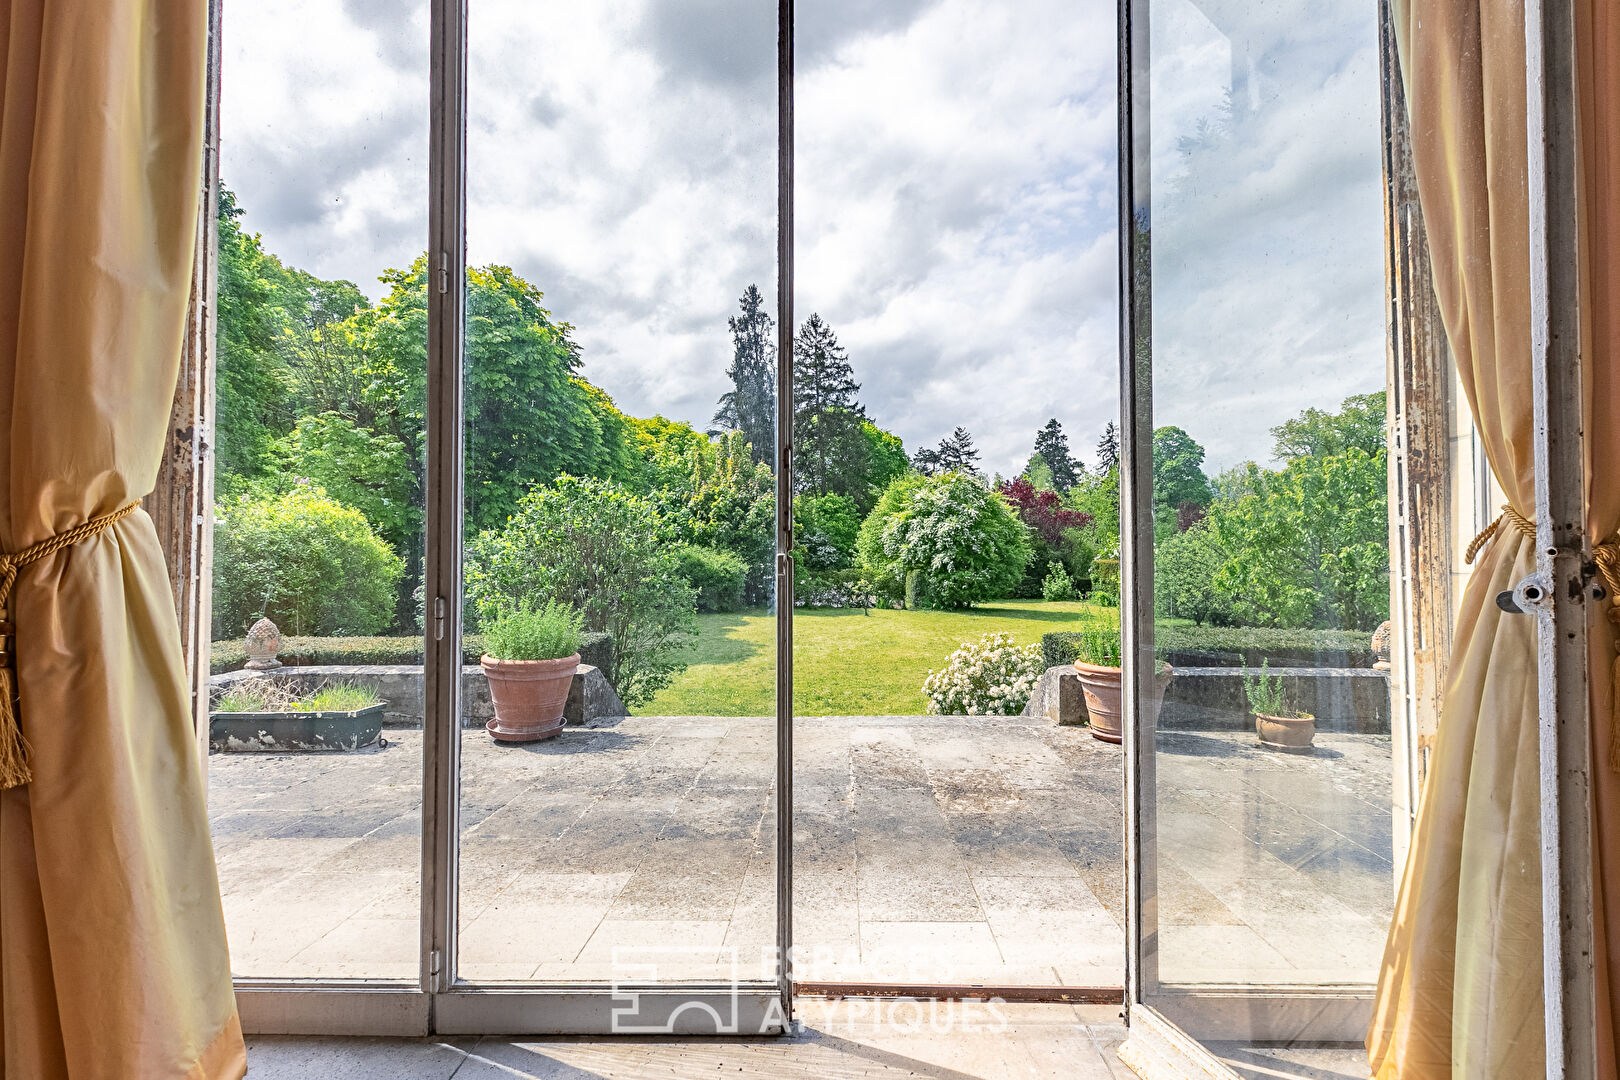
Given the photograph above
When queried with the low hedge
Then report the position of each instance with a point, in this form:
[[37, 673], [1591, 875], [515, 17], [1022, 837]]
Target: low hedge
[[1238, 646], [595, 649]]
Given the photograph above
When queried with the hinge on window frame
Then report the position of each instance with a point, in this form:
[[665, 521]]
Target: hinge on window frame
[[433, 971], [439, 610], [444, 272]]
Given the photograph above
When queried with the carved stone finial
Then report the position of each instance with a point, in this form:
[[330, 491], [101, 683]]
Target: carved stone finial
[[263, 643], [1380, 645]]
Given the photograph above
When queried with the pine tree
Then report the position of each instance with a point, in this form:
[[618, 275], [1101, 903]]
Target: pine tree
[[1053, 447], [955, 453], [750, 405], [829, 442], [1108, 449]]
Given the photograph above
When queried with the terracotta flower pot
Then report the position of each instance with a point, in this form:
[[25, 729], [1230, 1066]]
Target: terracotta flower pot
[[529, 696], [1104, 692], [1292, 733]]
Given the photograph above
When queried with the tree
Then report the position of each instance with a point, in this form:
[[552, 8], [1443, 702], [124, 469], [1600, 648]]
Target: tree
[[955, 453], [1037, 473], [731, 505], [1178, 477], [1309, 545], [1108, 449], [1359, 424], [961, 538], [1053, 447], [1051, 526], [886, 461], [1186, 575], [251, 383], [829, 441], [664, 447], [750, 405], [825, 528]]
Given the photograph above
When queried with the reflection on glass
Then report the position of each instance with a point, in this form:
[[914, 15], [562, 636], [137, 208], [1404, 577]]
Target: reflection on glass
[[316, 765], [620, 443], [1273, 759], [954, 368]]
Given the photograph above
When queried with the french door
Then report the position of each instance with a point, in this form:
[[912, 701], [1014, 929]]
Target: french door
[[1263, 152]]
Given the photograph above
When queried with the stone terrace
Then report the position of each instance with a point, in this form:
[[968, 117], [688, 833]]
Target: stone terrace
[[928, 849]]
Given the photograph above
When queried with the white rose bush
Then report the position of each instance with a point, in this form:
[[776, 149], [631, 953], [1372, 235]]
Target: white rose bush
[[990, 677]]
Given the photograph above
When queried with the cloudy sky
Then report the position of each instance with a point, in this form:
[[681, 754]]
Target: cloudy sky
[[955, 192]]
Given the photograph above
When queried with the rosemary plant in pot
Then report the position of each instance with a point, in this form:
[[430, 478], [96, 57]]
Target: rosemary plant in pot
[[532, 656], [1102, 680], [1279, 724]]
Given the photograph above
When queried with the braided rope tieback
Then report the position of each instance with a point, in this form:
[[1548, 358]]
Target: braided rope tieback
[[1607, 557], [14, 770]]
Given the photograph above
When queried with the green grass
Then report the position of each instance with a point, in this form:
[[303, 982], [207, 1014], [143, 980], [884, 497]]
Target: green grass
[[845, 663], [334, 697]]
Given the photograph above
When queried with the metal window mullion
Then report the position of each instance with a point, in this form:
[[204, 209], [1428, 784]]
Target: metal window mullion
[[1563, 554], [1136, 501], [784, 503], [447, 157]]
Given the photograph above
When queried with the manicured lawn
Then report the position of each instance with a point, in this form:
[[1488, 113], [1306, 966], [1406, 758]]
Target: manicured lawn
[[846, 663]]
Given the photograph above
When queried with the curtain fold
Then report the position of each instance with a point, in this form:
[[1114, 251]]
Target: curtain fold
[[112, 941], [1460, 992]]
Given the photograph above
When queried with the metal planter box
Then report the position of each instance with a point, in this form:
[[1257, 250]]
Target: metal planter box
[[273, 732]]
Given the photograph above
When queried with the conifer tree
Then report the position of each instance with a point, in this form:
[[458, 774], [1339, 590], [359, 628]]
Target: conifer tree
[[750, 405], [1053, 447], [1108, 449], [829, 440], [955, 453]]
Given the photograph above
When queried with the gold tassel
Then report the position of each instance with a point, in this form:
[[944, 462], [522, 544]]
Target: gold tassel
[[14, 771]]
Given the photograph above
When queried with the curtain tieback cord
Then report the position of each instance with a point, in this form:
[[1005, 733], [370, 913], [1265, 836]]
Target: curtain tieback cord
[[1607, 557], [14, 770]]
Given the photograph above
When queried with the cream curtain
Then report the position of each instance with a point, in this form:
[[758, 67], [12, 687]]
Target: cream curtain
[[1460, 992], [112, 941]]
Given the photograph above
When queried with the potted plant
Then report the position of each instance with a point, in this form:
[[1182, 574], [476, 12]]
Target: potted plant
[[1102, 680], [266, 715], [530, 660], [1279, 724]]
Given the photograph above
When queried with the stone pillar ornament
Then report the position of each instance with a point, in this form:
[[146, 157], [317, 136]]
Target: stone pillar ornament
[[1380, 645], [263, 643]]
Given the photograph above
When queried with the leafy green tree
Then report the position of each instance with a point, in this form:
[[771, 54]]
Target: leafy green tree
[[311, 564], [732, 506], [252, 386], [886, 461], [716, 577], [750, 405], [608, 552], [825, 528], [1052, 447], [361, 468], [962, 538], [829, 438], [664, 448], [1178, 476], [955, 453], [1359, 424], [1038, 473], [1308, 546]]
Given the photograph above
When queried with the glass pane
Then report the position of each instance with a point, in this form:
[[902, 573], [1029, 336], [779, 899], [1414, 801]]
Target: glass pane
[[316, 765], [1273, 756], [956, 315], [620, 308]]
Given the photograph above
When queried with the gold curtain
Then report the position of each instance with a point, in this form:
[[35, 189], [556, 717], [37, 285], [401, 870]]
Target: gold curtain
[[112, 939], [1460, 991]]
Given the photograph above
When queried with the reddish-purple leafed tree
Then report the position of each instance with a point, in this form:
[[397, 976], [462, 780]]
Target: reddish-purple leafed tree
[[1042, 510]]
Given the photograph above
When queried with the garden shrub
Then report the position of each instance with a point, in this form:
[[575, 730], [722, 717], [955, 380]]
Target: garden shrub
[[1186, 567], [595, 648], [989, 677], [1056, 585], [888, 578], [314, 566], [597, 546], [1238, 646], [963, 537], [716, 576], [832, 589], [527, 632]]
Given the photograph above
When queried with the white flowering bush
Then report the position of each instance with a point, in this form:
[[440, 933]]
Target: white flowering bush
[[989, 677]]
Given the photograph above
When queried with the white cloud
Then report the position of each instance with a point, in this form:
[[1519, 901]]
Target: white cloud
[[956, 193]]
